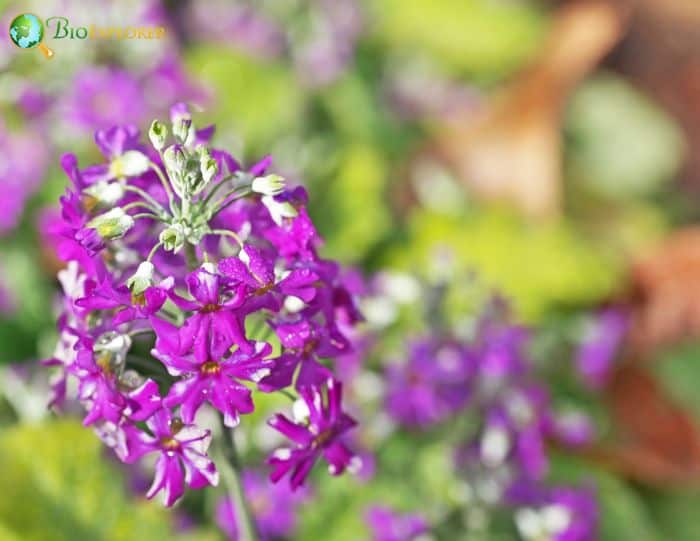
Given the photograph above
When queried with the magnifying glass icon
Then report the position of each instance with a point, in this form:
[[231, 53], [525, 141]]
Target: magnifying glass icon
[[27, 32]]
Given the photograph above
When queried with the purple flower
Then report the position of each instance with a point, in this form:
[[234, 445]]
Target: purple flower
[[103, 97], [183, 456], [274, 508], [143, 298], [387, 525], [430, 385], [215, 378], [127, 305], [556, 513], [214, 322], [303, 342], [319, 435], [601, 343], [257, 272], [22, 165]]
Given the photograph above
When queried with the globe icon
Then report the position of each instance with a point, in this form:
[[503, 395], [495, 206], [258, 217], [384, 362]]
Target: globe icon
[[27, 31]]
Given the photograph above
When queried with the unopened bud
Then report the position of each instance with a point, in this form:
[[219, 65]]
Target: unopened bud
[[142, 279], [268, 185], [175, 164], [207, 165], [173, 238], [181, 121], [158, 134], [112, 225]]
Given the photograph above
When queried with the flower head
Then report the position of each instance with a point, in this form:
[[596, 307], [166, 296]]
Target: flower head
[[173, 261], [319, 435]]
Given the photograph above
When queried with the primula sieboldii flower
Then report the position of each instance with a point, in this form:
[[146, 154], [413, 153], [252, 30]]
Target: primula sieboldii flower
[[319, 435], [172, 259], [182, 456], [502, 456]]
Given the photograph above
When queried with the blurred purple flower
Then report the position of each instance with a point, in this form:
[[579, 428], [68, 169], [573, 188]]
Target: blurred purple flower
[[556, 513], [388, 525], [23, 159], [430, 385], [104, 97], [273, 506], [600, 344]]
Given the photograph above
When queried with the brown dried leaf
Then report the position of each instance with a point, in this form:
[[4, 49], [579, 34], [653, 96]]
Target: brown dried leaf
[[656, 440], [511, 151], [666, 293]]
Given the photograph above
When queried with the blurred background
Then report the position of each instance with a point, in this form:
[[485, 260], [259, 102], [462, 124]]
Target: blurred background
[[548, 150]]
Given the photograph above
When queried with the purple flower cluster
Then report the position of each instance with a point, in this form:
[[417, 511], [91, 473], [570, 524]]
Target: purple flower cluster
[[319, 53], [492, 380], [185, 273]]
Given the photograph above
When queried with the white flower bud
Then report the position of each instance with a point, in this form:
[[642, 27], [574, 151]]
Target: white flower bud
[[158, 134], [207, 165], [142, 279], [279, 210], [268, 185], [130, 164], [173, 238], [175, 163], [104, 194], [113, 224], [182, 122]]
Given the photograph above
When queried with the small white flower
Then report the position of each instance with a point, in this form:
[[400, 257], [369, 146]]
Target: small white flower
[[106, 194], [130, 164], [279, 210], [142, 279], [495, 445], [268, 185]]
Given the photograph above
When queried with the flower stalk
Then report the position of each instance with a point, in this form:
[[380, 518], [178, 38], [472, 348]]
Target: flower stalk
[[231, 471]]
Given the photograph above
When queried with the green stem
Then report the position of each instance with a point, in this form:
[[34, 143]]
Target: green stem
[[218, 185], [137, 204], [164, 182], [231, 471], [191, 256], [147, 197], [224, 202], [153, 251], [227, 233]]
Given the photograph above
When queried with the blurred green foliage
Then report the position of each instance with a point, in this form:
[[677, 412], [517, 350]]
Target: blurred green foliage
[[483, 39], [57, 485], [621, 145], [538, 266]]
